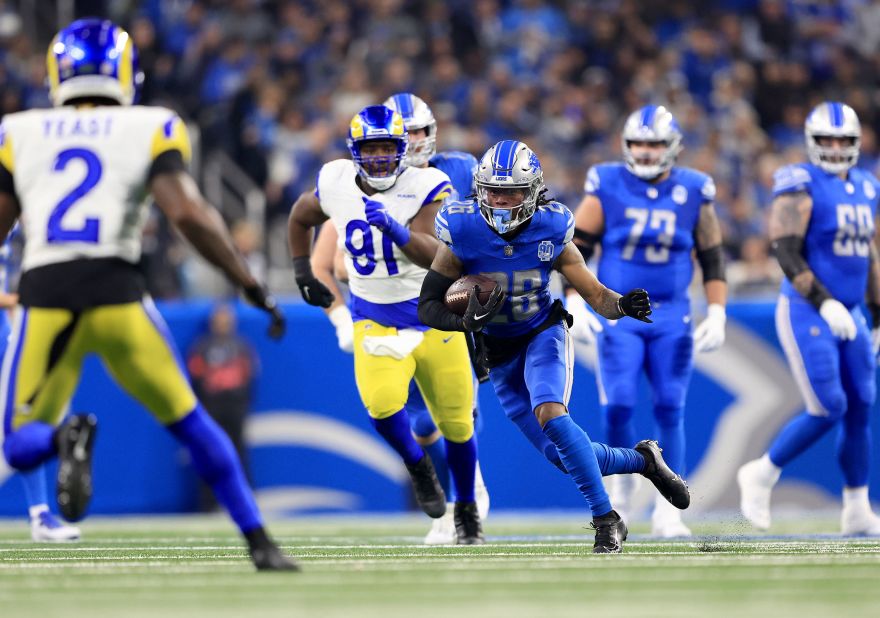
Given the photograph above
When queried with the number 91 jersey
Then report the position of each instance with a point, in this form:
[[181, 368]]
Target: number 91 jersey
[[378, 270], [81, 177], [838, 239]]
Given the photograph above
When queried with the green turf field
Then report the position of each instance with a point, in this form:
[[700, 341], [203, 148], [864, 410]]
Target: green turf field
[[533, 566]]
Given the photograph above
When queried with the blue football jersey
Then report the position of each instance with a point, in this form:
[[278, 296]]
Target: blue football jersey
[[649, 228], [838, 239], [521, 265], [460, 167]]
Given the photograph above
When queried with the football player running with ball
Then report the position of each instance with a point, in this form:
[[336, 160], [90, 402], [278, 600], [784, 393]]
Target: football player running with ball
[[383, 212], [77, 176], [512, 234]]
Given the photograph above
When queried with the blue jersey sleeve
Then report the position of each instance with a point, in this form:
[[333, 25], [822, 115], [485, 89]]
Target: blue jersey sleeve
[[591, 184], [707, 190], [791, 179]]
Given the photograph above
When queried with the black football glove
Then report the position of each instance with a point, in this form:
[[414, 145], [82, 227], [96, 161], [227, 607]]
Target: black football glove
[[635, 304], [314, 292], [260, 297], [477, 316]]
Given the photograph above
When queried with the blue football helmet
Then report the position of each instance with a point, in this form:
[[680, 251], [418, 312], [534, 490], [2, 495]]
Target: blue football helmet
[[509, 165], [374, 123], [416, 115], [93, 58], [833, 119], [651, 123]]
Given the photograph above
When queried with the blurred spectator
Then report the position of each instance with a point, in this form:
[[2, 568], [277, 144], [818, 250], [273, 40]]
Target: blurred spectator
[[223, 366]]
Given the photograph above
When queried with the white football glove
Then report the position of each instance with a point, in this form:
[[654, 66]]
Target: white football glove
[[709, 335], [875, 340], [839, 319], [341, 319], [586, 325]]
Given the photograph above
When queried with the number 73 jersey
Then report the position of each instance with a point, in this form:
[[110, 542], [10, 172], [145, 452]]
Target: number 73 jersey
[[649, 228], [838, 238], [81, 177]]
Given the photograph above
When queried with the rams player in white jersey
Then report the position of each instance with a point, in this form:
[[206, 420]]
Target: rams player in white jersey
[[76, 176], [383, 213]]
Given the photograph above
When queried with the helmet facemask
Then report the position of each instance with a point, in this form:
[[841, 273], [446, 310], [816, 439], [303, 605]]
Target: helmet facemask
[[509, 165]]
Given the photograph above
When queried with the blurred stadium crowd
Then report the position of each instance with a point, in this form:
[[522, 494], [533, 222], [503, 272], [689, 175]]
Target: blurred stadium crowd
[[274, 84]]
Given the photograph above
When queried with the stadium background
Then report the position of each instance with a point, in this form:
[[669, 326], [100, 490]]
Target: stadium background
[[268, 88]]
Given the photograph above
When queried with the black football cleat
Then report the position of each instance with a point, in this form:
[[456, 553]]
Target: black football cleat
[[429, 492], [611, 532], [468, 529], [670, 485], [75, 440], [268, 557]]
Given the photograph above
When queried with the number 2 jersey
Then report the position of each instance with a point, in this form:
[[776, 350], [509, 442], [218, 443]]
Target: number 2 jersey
[[649, 228], [81, 177], [841, 229], [384, 283], [522, 265]]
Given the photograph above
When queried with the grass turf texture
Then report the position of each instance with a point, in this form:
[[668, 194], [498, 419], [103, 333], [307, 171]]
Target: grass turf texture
[[533, 565]]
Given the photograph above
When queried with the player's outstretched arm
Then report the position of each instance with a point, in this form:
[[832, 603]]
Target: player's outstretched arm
[[709, 335], [604, 301], [178, 197], [589, 224], [305, 215], [789, 217], [445, 269]]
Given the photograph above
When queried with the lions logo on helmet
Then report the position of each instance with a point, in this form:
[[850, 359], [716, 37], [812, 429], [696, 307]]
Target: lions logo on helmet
[[651, 123], [509, 165], [833, 119], [93, 58], [416, 115], [375, 123]]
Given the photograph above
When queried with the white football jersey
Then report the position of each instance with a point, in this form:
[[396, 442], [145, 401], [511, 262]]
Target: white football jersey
[[378, 271], [81, 174]]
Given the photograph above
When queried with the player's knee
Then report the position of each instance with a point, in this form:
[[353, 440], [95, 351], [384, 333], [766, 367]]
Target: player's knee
[[669, 398], [457, 431], [456, 392], [618, 415], [427, 440], [29, 446], [548, 411], [833, 405], [422, 424], [622, 397], [669, 416], [383, 401]]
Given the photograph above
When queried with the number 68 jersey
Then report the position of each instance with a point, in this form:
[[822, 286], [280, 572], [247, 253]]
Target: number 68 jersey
[[838, 239], [81, 176], [378, 270]]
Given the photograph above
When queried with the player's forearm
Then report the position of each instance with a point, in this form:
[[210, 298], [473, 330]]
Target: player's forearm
[[421, 249], [432, 308], [716, 292], [206, 232], [873, 294], [789, 252]]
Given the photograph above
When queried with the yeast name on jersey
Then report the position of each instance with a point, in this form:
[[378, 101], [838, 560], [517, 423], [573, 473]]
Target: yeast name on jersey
[[522, 265]]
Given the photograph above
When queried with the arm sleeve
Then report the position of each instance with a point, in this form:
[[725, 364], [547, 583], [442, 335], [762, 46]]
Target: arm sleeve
[[432, 309], [791, 179]]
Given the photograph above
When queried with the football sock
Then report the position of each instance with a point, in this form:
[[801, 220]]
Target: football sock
[[578, 457], [437, 452], [617, 460], [214, 458], [462, 457], [670, 436], [395, 429], [854, 446], [620, 427], [531, 429], [34, 482], [797, 436], [29, 445]]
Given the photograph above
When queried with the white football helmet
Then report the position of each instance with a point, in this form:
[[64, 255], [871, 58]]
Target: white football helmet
[[833, 119], [651, 123], [509, 165], [416, 115]]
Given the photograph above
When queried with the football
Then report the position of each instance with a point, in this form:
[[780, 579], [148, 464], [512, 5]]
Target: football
[[458, 293]]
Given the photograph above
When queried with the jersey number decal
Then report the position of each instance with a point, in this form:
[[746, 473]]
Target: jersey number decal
[[855, 228], [89, 231], [523, 296], [663, 220], [366, 249]]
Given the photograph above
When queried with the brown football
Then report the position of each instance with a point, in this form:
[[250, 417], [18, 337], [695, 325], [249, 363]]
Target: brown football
[[459, 292]]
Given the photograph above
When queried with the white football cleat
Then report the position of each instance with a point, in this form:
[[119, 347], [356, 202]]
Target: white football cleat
[[666, 521], [857, 518], [481, 494], [623, 488], [46, 528], [756, 480], [442, 530]]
